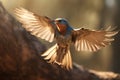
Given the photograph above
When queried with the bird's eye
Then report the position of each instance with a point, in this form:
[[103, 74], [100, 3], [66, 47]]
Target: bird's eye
[[60, 20]]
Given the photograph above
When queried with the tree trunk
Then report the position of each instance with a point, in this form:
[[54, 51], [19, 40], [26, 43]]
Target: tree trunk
[[20, 57], [116, 44]]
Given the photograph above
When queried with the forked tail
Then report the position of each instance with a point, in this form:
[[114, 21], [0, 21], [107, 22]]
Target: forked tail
[[59, 55]]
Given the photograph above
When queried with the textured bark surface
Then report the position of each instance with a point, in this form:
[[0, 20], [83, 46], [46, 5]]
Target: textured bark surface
[[20, 57], [116, 48]]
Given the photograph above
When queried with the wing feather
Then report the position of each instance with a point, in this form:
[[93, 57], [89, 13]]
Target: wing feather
[[39, 26], [89, 40]]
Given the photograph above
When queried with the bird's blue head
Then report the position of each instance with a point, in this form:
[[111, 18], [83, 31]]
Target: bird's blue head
[[61, 25], [61, 21]]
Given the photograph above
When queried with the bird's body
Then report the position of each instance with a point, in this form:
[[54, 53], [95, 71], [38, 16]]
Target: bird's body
[[63, 41], [60, 31]]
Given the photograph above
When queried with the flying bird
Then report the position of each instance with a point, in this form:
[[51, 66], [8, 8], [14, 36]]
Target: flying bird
[[60, 31]]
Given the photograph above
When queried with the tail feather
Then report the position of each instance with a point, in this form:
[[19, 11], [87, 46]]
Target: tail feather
[[49, 50], [67, 61], [58, 55], [61, 52], [53, 58], [51, 54]]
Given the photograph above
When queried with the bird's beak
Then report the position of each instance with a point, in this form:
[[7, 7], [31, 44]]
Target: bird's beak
[[55, 21]]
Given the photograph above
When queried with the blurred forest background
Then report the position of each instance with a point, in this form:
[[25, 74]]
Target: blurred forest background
[[91, 14]]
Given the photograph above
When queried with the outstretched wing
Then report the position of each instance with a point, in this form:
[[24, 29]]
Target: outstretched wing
[[88, 40], [40, 26]]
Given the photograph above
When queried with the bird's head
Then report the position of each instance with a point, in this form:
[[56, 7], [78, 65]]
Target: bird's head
[[61, 21], [61, 24]]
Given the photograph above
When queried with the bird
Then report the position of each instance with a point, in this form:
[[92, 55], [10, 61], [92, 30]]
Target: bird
[[64, 35]]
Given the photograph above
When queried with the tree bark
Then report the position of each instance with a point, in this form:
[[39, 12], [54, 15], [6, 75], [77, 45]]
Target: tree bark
[[116, 48], [20, 57]]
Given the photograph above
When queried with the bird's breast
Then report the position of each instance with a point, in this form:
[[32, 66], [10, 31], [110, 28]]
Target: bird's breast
[[61, 28], [63, 40]]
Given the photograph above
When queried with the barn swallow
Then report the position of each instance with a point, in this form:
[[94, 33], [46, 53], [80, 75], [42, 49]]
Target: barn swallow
[[60, 31]]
